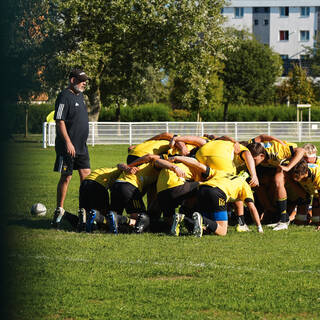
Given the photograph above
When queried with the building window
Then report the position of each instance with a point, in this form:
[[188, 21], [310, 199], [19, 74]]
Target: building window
[[256, 22], [238, 12], [266, 9], [256, 10], [304, 35], [304, 11], [284, 35], [284, 56], [266, 22], [284, 11], [304, 56]]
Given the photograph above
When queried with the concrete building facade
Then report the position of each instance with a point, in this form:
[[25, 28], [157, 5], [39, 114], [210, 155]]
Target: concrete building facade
[[287, 26]]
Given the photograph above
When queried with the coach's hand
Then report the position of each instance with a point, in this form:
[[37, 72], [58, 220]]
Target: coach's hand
[[70, 149]]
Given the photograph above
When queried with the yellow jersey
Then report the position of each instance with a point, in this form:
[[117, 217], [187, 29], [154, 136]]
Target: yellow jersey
[[311, 184], [147, 175], [150, 146], [316, 164], [168, 179], [219, 155], [104, 176], [235, 187], [276, 152]]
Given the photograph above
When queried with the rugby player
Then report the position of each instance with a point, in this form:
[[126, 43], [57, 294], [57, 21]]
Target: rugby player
[[270, 156], [309, 179]]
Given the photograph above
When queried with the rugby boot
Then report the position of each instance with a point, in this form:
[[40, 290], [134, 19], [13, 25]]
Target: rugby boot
[[197, 229], [177, 220], [57, 218], [143, 222]]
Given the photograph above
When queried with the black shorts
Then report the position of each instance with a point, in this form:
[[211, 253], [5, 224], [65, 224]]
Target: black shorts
[[125, 195], [131, 158], [211, 199], [171, 198], [92, 195], [66, 164]]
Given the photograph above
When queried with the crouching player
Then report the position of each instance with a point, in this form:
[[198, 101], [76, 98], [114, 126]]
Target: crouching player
[[309, 179], [269, 157], [213, 196], [127, 193], [93, 200]]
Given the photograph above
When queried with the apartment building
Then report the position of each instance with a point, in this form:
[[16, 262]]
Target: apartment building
[[287, 26]]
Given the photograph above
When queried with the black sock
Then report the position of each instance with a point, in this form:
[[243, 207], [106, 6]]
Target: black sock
[[241, 220], [189, 223], [210, 225], [282, 209], [123, 219]]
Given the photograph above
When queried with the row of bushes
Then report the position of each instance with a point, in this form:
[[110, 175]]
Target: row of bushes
[[161, 112], [158, 112]]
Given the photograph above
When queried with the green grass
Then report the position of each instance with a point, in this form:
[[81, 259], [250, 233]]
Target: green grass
[[65, 275]]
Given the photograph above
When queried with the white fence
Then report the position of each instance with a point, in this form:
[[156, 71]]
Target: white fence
[[136, 132]]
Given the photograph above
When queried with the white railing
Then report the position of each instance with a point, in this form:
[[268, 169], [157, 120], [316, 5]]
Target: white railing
[[136, 132]]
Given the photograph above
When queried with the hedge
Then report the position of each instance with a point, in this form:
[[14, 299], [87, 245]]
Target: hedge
[[158, 112]]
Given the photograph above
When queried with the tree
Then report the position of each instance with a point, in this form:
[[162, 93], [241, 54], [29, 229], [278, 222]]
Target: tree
[[24, 25], [297, 87], [197, 89], [115, 41], [250, 72]]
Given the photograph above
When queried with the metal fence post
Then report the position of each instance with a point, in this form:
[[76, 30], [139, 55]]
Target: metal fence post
[[130, 133], [299, 131], [93, 132], [236, 130], [44, 135]]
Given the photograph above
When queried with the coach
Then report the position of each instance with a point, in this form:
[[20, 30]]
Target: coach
[[72, 129]]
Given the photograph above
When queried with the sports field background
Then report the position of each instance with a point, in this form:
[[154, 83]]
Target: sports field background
[[65, 275]]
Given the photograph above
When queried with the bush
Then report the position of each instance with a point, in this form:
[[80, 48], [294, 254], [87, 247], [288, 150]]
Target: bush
[[143, 113], [37, 114]]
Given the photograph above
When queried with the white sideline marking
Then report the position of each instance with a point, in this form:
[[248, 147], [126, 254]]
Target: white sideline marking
[[156, 263]]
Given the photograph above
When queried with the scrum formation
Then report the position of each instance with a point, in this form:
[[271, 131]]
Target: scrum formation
[[200, 186]]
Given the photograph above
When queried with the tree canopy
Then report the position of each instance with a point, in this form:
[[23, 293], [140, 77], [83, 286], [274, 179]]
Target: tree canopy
[[116, 41]]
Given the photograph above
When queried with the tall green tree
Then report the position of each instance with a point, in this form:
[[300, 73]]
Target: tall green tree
[[250, 72], [297, 87], [114, 41], [24, 24], [197, 89]]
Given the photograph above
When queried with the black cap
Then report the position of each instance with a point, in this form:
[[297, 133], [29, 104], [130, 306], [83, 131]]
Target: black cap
[[79, 75]]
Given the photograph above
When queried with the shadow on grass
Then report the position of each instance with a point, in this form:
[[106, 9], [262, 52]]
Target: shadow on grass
[[37, 224]]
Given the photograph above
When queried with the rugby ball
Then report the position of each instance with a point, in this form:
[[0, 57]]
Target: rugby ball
[[38, 209]]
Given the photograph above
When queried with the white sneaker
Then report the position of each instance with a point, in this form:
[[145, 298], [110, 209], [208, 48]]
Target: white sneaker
[[197, 229], [281, 226], [177, 219], [243, 228]]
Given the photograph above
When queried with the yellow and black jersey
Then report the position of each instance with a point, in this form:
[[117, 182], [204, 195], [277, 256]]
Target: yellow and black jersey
[[168, 179], [276, 152], [219, 155], [235, 187], [175, 151], [314, 165], [239, 160], [311, 184], [146, 175], [104, 176], [150, 146]]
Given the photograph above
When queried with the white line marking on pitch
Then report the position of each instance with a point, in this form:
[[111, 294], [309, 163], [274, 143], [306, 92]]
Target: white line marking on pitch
[[156, 263]]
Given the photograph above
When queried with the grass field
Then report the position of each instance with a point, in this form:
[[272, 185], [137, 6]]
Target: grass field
[[65, 275]]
